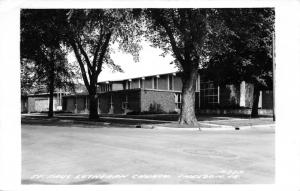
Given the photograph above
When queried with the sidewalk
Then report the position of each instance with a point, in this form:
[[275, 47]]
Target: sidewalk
[[205, 122]]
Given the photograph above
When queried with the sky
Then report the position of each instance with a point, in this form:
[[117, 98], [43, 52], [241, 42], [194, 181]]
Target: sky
[[150, 63]]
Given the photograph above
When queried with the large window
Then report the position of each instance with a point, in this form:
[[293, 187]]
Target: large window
[[178, 100], [209, 95]]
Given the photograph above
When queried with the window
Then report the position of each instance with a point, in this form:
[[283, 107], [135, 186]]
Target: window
[[170, 82], [155, 82], [178, 100], [209, 94]]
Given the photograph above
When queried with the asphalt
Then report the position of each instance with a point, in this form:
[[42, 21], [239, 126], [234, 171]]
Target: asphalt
[[74, 155]]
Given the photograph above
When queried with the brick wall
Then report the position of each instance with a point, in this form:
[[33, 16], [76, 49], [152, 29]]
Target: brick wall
[[157, 100]]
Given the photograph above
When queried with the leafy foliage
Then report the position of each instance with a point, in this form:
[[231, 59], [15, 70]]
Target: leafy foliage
[[190, 35], [42, 54], [231, 44], [249, 53], [91, 34]]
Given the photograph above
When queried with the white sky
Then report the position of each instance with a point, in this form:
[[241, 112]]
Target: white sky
[[150, 63]]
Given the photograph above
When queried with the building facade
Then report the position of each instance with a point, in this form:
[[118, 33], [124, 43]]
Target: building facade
[[162, 94]]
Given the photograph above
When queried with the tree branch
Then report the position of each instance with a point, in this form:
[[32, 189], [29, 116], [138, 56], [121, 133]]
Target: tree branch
[[102, 53], [83, 72], [87, 60], [172, 41], [97, 50]]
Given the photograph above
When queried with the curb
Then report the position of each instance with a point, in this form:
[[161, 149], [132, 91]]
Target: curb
[[216, 128], [194, 128]]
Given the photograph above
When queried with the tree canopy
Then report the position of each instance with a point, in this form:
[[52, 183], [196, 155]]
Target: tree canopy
[[250, 50], [232, 44], [43, 58], [90, 34], [249, 56]]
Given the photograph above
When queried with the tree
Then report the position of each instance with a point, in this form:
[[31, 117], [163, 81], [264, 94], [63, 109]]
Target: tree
[[90, 34], [249, 54], [43, 59], [190, 35]]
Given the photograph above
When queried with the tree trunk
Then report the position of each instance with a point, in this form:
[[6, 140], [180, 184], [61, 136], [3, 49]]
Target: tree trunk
[[187, 112], [51, 89], [93, 103], [254, 111]]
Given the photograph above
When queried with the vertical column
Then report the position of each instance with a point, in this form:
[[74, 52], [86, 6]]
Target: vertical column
[[152, 82], [260, 100], [243, 94]]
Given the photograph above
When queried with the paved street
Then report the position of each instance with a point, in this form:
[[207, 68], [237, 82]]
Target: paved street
[[107, 155]]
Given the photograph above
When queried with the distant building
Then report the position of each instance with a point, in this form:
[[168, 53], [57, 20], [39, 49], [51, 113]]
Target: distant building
[[40, 102]]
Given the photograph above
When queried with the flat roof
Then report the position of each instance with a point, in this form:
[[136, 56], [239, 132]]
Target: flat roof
[[121, 80]]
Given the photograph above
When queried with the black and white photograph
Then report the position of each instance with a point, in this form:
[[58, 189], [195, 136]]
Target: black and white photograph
[[194, 125], [143, 95]]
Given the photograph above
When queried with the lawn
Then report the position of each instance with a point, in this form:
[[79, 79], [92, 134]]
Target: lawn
[[72, 154]]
